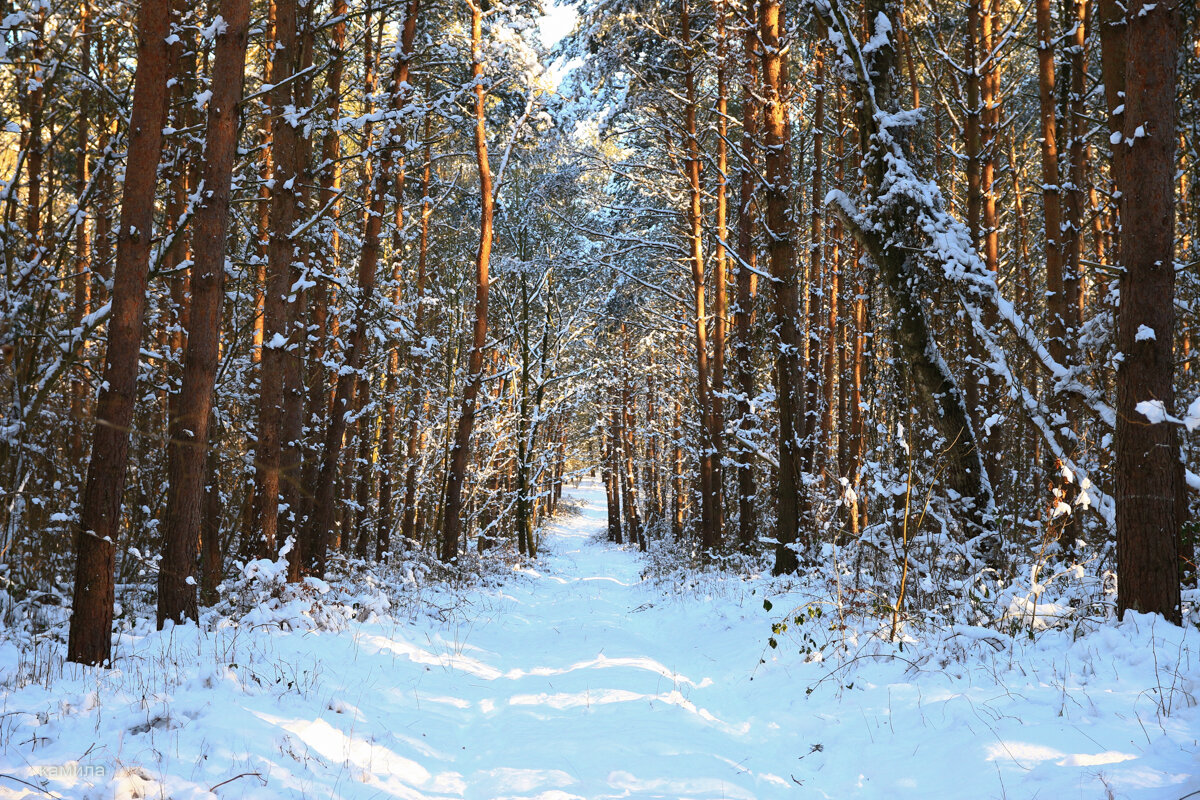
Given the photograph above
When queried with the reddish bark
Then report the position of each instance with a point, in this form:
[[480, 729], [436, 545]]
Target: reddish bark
[[1148, 472], [1056, 299], [790, 489], [720, 274], [278, 307], [189, 426], [460, 451], [100, 512], [390, 413]]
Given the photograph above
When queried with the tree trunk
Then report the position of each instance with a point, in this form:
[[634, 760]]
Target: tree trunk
[[328, 257], [616, 468], [347, 383], [278, 305], [1077, 125], [747, 282], [33, 144], [90, 639], [819, 405], [409, 518], [628, 425], [790, 490], [525, 434], [390, 412], [460, 451], [844, 338], [189, 441], [1056, 299], [709, 532], [677, 498], [1147, 453], [610, 485], [888, 229], [83, 244], [720, 279], [989, 131], [830, 261], [974, 175], [858, 439], [654, 510], [213, 553], [363, 469]]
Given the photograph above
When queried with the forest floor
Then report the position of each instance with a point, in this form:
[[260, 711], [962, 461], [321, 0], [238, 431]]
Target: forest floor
[[578, 678]]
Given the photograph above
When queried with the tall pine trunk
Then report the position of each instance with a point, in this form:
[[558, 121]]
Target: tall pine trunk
[[720, 279], [1148, 471], [709, 530], [747, 280], [90, 638], [460, 451], [1051, 195], [278, 305], [790, 490], [348, 378], [189, 441], [408, 520]]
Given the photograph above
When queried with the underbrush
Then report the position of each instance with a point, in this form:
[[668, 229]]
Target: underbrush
[[256, 597], [933, 602]]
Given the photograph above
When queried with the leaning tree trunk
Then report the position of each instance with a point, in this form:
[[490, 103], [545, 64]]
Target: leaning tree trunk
[[324, 502], [899, 212], [186, 454], [90, 639]]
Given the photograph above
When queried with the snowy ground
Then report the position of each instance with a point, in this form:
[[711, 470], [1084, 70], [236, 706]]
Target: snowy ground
[[580, 680]]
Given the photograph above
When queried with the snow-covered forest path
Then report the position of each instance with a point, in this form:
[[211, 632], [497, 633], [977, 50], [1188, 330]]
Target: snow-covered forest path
[[578, 683], [582, 680]]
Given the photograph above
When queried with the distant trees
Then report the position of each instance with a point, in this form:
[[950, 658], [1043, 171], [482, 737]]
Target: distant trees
[[912, 313]]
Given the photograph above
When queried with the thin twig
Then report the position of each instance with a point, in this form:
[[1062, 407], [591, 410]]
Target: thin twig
[[236, 777]]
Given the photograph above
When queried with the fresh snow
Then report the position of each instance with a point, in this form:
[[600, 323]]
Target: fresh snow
[[578, 678], [1155, 411]]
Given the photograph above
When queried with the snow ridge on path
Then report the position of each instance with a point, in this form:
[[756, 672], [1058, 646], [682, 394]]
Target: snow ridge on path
[[577, 679], [570, 687]]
